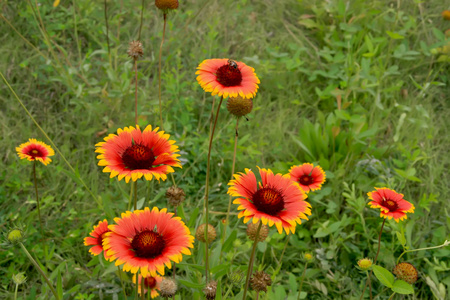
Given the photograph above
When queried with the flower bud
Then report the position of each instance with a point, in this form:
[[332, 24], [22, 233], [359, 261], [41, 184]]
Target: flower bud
[[239, 106], [364, 264], [15, 236], [19, 278], [166, 4], [260, 280], [308, 257]]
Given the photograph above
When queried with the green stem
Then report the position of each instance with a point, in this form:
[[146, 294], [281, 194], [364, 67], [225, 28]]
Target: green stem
[[392, 296], [135, 93], [257, 295], [208, 166], [374, 262], [232, 173], [15, 292], [159, 73], [76, 32], [228, 291], [301, 281], [51, 142], [135, 194], [142, 289], [121, 282], [107, 29], [39, 210], [420, 249], [284, 249], [131, 197], [137, 286], [36, 265], [250, 264]]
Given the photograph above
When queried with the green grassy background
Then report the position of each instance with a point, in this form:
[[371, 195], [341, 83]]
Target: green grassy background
[[392, 130]]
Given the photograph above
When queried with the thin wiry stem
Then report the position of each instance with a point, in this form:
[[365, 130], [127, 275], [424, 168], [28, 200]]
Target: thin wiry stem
[[107, 29], [121, 282], [38, 268], [135, 93], [232, 173], [159, 73], [142, 18], [137, 286], [135, 194], [76, 31], [51, 142], [374, 262], [208, 166], [250, 264], [39, 209], [301, 282]]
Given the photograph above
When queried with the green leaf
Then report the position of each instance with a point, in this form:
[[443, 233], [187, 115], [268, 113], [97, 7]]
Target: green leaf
[[402, 287], [191, 284], [59, 288], [401, 238], [383, 275], [395, 35]]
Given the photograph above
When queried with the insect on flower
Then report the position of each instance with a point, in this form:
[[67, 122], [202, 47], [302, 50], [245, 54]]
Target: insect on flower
[[232, 63]]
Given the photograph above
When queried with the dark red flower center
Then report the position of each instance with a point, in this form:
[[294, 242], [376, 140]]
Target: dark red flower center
[[305, 180], [138, 157], [268, 200], [148, 244], [101, 237], [150, 282], [35, 153], [227, 75], [390, 204]]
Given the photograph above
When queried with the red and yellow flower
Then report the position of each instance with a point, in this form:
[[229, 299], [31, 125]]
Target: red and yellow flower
[[150, 284], [96, 238], [277, 200], [391, 204], [35, 150], [133, 153], [147, 241], [309, 177], [226, 77]]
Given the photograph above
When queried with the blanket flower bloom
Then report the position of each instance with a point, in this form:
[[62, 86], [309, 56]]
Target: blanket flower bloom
[[133, 153], [277, 200], [226, 77], [309, 177], [391, 204], [35, 150], [147, 241], [150, 284], [96, 238]]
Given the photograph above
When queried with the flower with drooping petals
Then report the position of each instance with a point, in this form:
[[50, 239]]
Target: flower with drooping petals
[[35, 150], [150, 284], [96, 238], [226, 77], [147, 241], [277, 200], [391, 203], [309, 177], [133, 153]]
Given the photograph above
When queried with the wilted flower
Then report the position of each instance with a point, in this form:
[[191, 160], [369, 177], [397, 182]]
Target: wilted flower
[[406, 271], [200, 233]]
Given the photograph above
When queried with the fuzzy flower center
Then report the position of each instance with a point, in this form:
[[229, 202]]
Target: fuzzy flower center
[[148, 244], [150, 282], [390, 204], [138, 157], [229, 75], [268, 200], [305, 180]]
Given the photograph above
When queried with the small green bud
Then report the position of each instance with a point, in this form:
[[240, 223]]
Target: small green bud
[[15, 236], [19, 278]]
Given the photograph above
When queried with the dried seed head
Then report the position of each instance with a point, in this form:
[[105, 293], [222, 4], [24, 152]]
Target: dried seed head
[[175, 195], [135, 50], [239, 106], [263, 232], [165, 5], [406, 271], [19, 278], [307, 257], [200, 233], [364, 264], [260, 280], [15, 236], [210, 290], [167, 287]]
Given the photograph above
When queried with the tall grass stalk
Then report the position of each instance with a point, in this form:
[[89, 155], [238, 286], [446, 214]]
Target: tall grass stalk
[[159, 72], [39, 210]]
